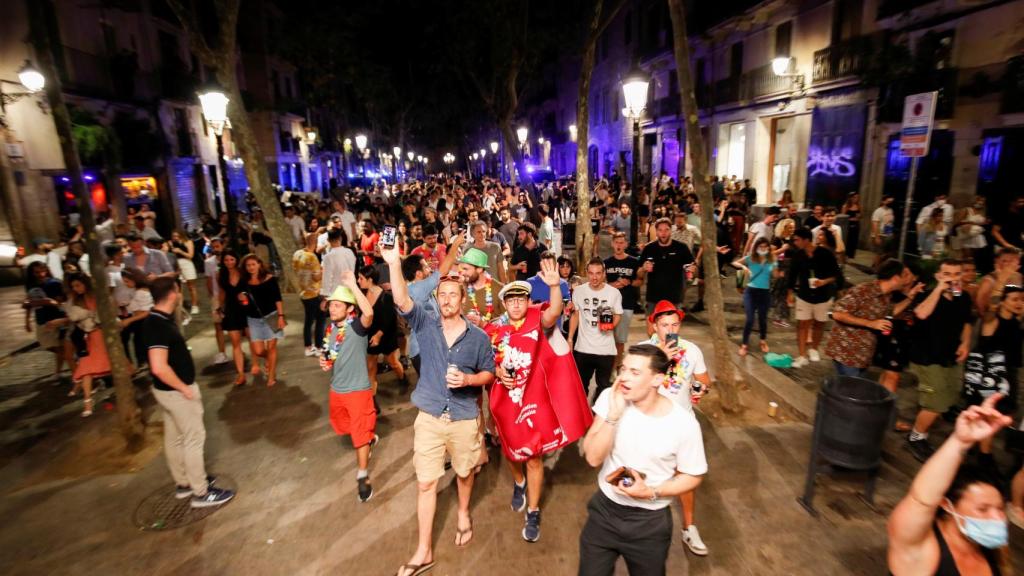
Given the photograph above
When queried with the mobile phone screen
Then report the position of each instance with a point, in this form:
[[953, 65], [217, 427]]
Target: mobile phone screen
[[672, 339], [387, 237]]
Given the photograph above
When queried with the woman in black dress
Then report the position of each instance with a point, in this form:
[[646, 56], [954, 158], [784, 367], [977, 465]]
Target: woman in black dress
[[852, 209], [231, 310], [384, 330]]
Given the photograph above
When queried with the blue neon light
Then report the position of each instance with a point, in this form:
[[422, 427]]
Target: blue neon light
[[836, 162], [991, 150]]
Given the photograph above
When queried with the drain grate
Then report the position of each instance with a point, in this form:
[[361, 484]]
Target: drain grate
[[162, 511]]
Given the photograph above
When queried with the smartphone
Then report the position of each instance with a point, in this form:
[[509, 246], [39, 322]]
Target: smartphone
[[388, 236], [672, 339], [624, 476]]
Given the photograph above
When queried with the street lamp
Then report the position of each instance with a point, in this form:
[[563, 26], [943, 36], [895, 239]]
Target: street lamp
[[215, 109], [494, 147], [781, 66], [634, 90], [410, 155], [572, 132], [31, 79], [361, 142], [522, 133]]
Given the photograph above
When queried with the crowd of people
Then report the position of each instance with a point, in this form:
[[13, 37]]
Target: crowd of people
[[464, 283]]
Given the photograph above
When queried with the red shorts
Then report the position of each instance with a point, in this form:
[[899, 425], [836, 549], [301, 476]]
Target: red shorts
[[353, 413]]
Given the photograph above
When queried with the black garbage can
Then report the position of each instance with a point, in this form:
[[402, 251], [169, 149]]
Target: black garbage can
[[852, 417], [568, 234]]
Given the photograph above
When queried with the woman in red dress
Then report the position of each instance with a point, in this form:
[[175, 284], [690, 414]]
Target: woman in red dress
[[81, 313]]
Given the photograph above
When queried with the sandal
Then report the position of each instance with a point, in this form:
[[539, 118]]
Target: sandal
[[743, 350], [240, 381], [460, 535], [764, 347], [416, 569]]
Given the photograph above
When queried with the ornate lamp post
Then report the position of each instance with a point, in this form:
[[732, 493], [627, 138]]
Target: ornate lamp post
[[215, 109], [634, 88]]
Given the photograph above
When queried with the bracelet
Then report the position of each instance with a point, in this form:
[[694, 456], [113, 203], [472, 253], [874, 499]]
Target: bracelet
[[611, 422], [654, 495]]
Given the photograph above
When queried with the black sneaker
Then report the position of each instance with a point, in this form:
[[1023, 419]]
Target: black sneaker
[[921, 449], [531, 530], [365, 489], [213, 497], [182, 492]]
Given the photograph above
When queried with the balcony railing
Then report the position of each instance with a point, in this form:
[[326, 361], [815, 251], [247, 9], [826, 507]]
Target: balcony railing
[[1013, 89], [763, 81], [847, 58], [892, 95]]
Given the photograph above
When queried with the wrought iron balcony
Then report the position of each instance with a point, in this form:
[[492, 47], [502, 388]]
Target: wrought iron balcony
[[763, 81], [846, 58]]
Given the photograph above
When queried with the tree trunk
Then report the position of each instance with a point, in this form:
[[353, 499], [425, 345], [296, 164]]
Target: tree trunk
[[121, 370], [728, 384], [513, 151], [584, 234]]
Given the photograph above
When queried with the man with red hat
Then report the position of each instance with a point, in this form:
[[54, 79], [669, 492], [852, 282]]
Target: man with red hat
[[687, 382], [540, 406]]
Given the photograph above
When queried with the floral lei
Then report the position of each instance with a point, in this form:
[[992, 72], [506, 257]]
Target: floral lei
[[330, 353], [488, 299], [677, 370]]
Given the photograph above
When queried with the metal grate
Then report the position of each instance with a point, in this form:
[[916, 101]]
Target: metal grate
[[162, 511]]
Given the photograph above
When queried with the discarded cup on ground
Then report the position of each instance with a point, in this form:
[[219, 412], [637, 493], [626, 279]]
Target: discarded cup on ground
[[773, 409]]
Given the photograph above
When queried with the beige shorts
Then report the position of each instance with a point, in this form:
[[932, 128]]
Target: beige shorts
[[49, 337], [432, 437], [816, 312]]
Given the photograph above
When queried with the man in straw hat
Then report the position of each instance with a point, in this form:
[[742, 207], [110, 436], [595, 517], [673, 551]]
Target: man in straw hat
[[343, 354]]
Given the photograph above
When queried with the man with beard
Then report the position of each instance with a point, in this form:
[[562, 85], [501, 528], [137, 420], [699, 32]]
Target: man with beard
[[481, 304], [457, 361], [431, 250], [351, 399], [664, 265]]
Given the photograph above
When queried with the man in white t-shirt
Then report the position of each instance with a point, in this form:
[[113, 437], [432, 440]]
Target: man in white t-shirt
[[295, 223], [763, 229], [828, 222], [336, 260], [597, 310], [650, 450], [926, 212], [211, 267], [883, 227], [687, 382]]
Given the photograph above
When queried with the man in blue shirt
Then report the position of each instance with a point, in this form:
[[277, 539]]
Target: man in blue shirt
[[457, 361], [540, 291]]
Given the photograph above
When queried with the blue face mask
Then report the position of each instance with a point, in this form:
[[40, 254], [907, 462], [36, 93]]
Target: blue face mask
[[982, 531]]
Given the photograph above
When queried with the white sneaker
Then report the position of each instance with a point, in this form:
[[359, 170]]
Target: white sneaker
[[195, 310], [691, 537], [221, 358], [813, 355], [800, 362], [311, 351]]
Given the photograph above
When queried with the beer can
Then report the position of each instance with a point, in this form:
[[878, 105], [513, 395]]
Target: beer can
[[889, 331], [773, 409]]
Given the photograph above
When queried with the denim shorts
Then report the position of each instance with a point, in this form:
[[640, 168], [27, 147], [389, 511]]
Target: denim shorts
[[261, 329]]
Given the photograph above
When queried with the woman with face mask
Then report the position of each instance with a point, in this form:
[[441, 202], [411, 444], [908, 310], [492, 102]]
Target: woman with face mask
[[760, 267], [952, 521]]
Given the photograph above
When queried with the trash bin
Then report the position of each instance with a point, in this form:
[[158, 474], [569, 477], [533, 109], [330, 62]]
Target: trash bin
[[852, 417], [568, 234]]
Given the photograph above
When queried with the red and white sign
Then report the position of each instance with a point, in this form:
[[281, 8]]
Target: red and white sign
[[918, 116]]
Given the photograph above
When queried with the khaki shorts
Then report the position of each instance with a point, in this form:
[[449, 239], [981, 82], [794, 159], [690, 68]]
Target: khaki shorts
[[938, 387], [816, 312], [49, 337], [432, 437]]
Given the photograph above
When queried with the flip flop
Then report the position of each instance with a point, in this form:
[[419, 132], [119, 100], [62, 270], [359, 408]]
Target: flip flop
[[460, 534], [240, 381], [417, 569], [764, 347]]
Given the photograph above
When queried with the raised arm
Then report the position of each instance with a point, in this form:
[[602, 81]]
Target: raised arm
[[399, 289], [348, 279], [451, 255], [910, 525], [549, 273]]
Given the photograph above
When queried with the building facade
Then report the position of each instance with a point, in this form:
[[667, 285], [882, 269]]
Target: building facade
[[127, 67], [829, 124]]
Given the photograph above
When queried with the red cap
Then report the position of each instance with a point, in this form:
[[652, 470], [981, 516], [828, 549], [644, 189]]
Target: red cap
[[664, 307]]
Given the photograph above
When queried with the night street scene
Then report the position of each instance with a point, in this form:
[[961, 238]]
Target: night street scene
[[511, 287]]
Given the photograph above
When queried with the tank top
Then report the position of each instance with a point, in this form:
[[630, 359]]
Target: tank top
[[1008, 337], [947, 566]]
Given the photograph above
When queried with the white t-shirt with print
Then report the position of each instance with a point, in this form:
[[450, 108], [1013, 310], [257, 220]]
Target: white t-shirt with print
[[658, 446], [590, 339], [692, 361], [884, 216]]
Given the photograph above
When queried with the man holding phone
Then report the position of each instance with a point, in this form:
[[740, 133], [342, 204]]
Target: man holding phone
[[649, 450], [688, 382]]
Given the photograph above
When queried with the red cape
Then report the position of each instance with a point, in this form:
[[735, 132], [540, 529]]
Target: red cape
[[548, 408]]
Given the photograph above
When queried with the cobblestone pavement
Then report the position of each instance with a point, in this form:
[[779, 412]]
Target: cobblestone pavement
[[297, 511]]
